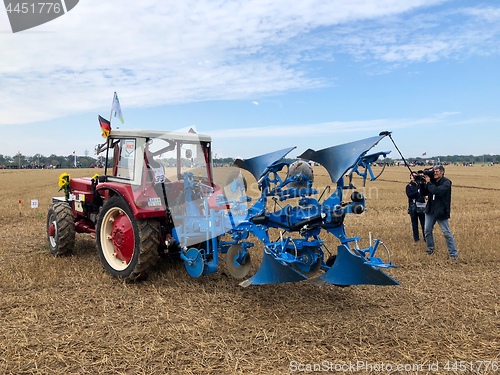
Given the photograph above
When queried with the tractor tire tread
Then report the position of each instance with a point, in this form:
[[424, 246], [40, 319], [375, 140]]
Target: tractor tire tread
[[65, 228], [149, 236]]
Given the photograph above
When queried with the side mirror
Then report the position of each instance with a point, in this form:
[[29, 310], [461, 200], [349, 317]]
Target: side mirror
[[189, 154]]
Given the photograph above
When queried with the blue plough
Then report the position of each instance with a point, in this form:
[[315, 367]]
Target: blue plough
[[299, 252]]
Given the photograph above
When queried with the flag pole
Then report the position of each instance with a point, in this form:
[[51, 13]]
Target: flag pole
[[111, 114]]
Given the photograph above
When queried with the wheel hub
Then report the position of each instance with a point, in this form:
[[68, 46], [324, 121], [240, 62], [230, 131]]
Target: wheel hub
[[122, 238], [52, 233], [51, 230]]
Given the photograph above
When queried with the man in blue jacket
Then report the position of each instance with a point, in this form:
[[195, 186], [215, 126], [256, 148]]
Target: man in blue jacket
[[438, 191]]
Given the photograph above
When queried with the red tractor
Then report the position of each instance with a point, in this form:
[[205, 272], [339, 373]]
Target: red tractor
[[130, 208], [157, 196]]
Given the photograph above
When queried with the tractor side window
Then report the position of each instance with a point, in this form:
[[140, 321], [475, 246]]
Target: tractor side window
[[126, 159], [161, 155], [195, 159]]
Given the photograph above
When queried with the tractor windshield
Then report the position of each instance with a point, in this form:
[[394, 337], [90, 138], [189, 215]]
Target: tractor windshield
[[176, 157]]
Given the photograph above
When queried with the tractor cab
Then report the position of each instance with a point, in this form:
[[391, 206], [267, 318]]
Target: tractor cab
[[149, 167], [137, 157]]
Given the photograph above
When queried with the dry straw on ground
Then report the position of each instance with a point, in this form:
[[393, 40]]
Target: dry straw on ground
[[65, 315]]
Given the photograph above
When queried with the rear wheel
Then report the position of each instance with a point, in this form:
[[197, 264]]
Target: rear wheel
[[127, 247], [60, 228]]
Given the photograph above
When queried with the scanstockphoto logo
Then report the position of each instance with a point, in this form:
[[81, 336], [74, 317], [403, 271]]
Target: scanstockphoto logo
[[25, 15]]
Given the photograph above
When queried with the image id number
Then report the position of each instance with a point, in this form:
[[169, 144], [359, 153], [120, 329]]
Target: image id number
[[474, 366], [34, 8]]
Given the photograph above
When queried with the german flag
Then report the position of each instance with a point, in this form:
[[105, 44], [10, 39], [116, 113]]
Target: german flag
[[105, 126]]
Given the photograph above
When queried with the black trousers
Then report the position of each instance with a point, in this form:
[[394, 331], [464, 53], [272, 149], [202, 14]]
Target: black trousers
[[415, 218]]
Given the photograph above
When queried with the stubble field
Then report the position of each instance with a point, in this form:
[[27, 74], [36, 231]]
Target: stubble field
[[65, 315]]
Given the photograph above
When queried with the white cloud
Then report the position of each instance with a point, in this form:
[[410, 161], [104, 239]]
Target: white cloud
[[451, 134], [155, 53], [485, 13], [422, 36], [330, 128]]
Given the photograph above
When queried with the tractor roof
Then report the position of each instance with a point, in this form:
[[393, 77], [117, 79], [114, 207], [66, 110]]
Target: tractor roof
[[162, 134]]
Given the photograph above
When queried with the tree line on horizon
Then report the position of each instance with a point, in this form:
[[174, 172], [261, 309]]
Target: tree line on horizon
[[59, 161], [39, 161]]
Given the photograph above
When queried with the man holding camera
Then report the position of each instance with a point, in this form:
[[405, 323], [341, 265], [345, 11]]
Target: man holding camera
[[438, 190]]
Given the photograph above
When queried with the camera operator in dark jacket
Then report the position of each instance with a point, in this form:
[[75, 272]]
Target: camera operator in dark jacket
[[416, 206], [438, 191]]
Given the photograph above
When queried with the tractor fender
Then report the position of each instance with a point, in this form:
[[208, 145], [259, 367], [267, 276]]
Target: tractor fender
[[125, 191]]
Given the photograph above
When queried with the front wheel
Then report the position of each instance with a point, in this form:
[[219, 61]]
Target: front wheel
[[60, 228], [127, 247]]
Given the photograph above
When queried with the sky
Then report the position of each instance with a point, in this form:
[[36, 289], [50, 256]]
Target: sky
[[258, 75]]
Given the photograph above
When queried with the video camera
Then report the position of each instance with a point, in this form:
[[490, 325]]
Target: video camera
[[420, 177]]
